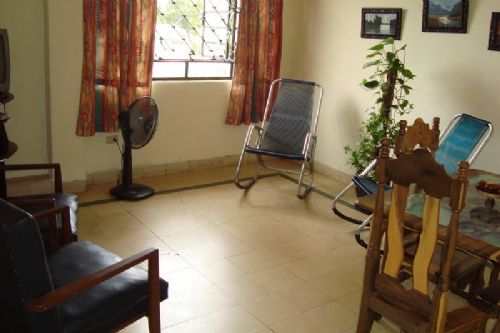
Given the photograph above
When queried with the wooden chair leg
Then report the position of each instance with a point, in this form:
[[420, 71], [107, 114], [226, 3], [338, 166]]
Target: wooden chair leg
[[365, 319], [154, 294]]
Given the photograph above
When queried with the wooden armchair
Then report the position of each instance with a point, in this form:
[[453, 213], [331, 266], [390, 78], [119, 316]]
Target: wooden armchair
[[79, 287], [414, 308], [39, 202]]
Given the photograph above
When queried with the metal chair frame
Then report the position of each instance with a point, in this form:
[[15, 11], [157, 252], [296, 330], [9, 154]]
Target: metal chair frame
[[309, 146], [444, 135]]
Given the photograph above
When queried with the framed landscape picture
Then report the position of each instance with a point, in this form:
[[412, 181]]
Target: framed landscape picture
[[445, 16], [381, 23], [494, 41]]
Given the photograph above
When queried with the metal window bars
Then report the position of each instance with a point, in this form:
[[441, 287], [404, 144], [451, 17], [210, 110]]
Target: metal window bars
[[196, 30]]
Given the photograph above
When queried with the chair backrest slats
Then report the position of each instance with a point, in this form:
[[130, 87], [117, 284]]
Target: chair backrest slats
[[389, 286], [291, 116], [395, 224], [417, 135], [427, 244]]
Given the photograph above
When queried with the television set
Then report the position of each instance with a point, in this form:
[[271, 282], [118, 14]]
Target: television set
[[4, 64]]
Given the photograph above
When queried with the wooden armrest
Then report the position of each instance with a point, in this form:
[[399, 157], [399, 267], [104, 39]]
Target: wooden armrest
[[40, 166], [30, 202], [50, 214], [72, 289]]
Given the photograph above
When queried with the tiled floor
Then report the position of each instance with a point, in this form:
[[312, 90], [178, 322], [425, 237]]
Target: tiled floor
[[239, 262]]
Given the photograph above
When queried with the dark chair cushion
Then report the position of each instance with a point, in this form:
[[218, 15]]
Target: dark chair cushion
[[60, 199], [106, 305]]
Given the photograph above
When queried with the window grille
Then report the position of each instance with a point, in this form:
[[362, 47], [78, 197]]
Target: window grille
[[195, 39]]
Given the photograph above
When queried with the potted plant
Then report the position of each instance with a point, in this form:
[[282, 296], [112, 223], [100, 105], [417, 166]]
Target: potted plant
[[390, 83]]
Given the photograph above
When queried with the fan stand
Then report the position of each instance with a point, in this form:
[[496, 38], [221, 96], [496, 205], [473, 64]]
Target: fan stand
[[127, 190]]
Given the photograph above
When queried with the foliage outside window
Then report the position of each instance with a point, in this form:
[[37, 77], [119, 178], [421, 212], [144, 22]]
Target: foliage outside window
[[195, 39]]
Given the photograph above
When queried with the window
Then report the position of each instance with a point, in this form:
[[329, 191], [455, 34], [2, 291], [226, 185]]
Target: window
[[195, 39]]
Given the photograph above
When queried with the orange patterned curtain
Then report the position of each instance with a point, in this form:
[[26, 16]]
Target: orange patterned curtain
[[118, 45], [257, 61]]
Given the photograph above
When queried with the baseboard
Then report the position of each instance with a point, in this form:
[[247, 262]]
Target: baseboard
[[25, 184], [108, 176]]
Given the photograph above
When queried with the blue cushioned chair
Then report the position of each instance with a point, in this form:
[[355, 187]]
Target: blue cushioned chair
[[290, 132]]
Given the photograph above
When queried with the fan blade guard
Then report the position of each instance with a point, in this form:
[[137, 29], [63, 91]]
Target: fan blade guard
[[143, 121]]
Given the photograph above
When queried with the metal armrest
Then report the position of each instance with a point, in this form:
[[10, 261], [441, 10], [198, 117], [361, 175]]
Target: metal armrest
[[41, 166], [309, 145], [248, 136], [72, 289]]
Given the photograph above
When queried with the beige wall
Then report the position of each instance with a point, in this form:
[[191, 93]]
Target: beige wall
[[25, 22], [321, 42], [191, 113], [455, 72]]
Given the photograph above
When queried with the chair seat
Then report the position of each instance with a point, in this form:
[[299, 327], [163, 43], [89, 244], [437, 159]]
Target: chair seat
[[60, 199], [80, 259], [290, 156], [464, 269]]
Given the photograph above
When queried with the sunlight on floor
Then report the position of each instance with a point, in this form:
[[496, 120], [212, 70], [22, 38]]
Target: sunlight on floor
[[256, 261]]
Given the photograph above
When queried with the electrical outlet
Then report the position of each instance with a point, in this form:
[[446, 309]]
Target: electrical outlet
[[111, 138]]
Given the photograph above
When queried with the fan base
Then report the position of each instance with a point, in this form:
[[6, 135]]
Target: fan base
[[132, 191]]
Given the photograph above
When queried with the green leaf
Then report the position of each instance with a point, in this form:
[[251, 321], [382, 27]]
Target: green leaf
[[371, 55], [406, 89], [404, 104], [372, 63], [388, 41], [390, 57], [370, 84], [407, 73], [377, 47]]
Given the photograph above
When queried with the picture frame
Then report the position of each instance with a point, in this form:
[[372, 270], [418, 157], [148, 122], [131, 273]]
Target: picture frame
[[445, 16], [381, 23], [494, 40]]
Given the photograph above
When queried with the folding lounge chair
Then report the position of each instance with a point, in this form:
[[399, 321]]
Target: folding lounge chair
[[290, 132], [463, 139]]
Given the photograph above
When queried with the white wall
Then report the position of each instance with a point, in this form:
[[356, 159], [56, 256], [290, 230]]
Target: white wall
[[27, 127], [455, 72]]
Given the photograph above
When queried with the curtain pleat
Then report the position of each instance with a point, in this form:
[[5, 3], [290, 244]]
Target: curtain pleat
[[257, 60], [118, 59]]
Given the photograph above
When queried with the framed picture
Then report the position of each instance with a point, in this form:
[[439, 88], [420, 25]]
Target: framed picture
[[381, 23], [494, 41], [445, 16]]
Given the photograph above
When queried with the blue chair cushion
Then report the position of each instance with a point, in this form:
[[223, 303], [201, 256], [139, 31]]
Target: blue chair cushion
[[290, 156]]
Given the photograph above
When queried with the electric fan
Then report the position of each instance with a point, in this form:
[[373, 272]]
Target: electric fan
[[138, 126]]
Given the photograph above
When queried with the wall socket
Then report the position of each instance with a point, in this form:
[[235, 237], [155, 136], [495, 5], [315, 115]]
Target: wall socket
[[112, 138]]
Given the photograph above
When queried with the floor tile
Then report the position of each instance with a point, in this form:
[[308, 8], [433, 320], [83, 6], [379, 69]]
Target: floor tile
[[257, 261]]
